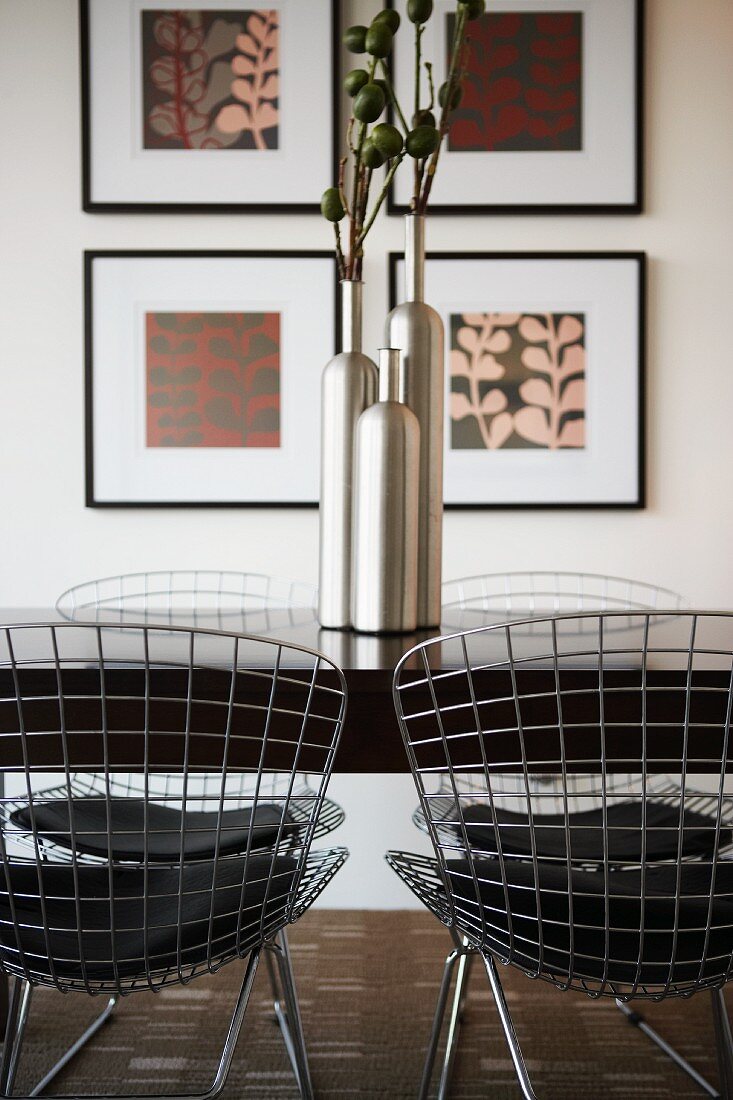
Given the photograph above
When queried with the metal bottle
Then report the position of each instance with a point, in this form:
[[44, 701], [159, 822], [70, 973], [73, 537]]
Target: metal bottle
[[386, 483], [417, 330], [348, 386]]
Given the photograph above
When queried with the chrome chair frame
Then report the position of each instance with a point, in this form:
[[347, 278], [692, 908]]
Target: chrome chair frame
[[225, 598], [291, 701], [434, 731]]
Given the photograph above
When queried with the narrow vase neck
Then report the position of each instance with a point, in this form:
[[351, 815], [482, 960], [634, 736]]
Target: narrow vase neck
[[351, 314], [415, 258], [390, 374]]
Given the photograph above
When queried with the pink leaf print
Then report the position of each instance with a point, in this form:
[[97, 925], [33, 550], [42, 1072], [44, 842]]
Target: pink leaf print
[[531, 423], [488, 369], [460, 406], [460, 364], [537, 359], [573, 434], [569, 330], [573, 361], [536, 392], [500, 428], [256, 83], [493, 402], [543, 418], [481, 337], [533, 331], [573, 396]]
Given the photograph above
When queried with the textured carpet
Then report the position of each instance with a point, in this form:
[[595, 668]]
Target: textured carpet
[[367, 984]]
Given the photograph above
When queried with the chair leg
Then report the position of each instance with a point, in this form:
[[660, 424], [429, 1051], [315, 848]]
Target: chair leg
[[723, 1044], [225, 1061], [18, 1009], [506, 1022], [438, 1017], [463, 973], [287, 1011], [637, 1020], [75, 1047]]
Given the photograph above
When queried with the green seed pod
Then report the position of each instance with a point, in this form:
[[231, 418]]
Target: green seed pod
[[378, 39], [423, 118], [390, 17], [383, 85], [369, 103], [422, 141], [355, 81], [474, 8], [419, 11], [371, 155], [331, 205], [387, 139], [455, 99], [354, 39]]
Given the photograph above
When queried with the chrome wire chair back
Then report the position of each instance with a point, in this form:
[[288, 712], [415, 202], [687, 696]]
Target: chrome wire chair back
[[178, 838], [608, 906], [223, 599], [487, 598], [203, 597], [545, 592]]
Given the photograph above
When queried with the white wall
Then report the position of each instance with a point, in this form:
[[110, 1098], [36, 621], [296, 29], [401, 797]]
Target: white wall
[[48, 540]]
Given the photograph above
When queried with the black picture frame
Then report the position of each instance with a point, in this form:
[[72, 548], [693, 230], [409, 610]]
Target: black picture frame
[[92, 206], [641, 259], [636, 206], [89, 256]]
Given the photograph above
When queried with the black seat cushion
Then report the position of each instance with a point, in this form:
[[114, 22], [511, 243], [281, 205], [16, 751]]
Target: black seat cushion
[[127, 821], [586, 832], [580, 905], [222, 904]]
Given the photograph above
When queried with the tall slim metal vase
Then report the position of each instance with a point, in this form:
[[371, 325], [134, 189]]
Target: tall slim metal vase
[[416, 328], [348, 386]]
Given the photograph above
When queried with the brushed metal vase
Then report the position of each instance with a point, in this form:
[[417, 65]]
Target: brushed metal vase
[[348, 386], [386, 485], [417, 330]]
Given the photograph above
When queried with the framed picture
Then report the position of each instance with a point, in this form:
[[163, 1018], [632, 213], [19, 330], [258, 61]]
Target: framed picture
[[544, 376], [551, 115], [199, 106], [203, 376]]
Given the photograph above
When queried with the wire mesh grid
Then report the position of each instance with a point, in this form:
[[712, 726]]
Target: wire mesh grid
[[543, 593], [179, 835], [209, 598], [197, 597], [608, 903]]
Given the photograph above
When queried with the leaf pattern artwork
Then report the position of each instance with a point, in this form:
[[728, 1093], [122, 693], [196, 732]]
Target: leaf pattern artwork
[[517, 380], [201, 71], [256, 83], [523, 86], [213, 379]]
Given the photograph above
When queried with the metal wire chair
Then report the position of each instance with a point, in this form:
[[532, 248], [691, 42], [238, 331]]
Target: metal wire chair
[[544, 592], [223, 599], [195, 875], [479, 600], [579, 697]]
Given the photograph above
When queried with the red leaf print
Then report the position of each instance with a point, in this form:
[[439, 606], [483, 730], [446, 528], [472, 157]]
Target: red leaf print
[[540, 100], [557, 51], [503, 90], [555, 77], [556, 23], [523, 84]]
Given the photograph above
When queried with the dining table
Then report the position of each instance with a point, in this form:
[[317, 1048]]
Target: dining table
[[371, 741]]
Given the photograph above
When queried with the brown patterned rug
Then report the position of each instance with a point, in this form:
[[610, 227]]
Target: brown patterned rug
[[367, 983]]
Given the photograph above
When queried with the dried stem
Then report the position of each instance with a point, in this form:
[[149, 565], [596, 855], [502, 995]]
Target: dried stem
[[381, 196], [452, 82], [393, 96], [340, 260]]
